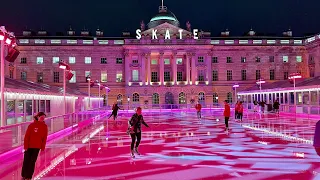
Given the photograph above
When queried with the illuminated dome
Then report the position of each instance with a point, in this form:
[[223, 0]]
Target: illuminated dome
[[164, 16]]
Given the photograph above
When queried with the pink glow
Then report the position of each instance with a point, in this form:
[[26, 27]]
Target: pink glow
[[236, 86], [184, 146]]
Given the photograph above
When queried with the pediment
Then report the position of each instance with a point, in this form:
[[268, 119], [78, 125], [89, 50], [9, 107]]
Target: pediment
[[162, 29]]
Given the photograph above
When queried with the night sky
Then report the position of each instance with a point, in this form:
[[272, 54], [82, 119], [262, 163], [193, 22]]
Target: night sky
[[114, 17]]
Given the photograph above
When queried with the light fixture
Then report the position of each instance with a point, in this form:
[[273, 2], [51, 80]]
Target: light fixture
[[236, 86], [295, 76], [63, 65], [2, 36]]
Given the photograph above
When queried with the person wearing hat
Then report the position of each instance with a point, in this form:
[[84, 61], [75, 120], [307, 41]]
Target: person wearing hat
[[34, 140]]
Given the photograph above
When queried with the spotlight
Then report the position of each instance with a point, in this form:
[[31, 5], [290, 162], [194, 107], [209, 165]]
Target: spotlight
[[2, 36], [63, 65], [69, 75], [8, 41], [12, 55]]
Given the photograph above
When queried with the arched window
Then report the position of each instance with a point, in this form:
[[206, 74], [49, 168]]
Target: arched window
[[215, 98], [229, 97], [119, 99], [201, 98], [182, 98], [155, 98], [135, 97]]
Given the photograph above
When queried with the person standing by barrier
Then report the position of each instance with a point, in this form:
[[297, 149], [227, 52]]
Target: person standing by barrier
[[134, 130], [236, 109], [198, 108], [240, 111], [316, 139], [276, 106], [226, 114], [34, 140]]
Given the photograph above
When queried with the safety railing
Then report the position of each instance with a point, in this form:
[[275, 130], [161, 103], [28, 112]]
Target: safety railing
[[12, 136]]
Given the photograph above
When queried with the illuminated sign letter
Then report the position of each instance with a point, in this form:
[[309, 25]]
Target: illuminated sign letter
[[195, 34], [167, 34], [180, 32], [138, 32], [154, 34]]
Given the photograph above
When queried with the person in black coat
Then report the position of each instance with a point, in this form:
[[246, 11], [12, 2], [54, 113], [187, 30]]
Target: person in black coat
[[276, 106], [316, 140], [134, 130], [115, 109]]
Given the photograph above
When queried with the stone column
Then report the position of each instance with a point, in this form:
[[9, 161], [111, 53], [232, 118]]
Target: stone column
[[161, 64], [148, 59], [174, 67], [193, 69], [127, 62], [209, 67], [143, 68], [317, 63], [188, 58]]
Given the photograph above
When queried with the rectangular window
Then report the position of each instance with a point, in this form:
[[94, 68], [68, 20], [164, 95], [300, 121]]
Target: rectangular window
[[135, 61], [119, 76], [154, 76], [229, 60], [167, 76], [179, 76], [135, 75], [272, 75], [258, 59], [103, 61], [200, 59], [154, 61], [201, 75], [258, 75], [214, 59], [23, 61], [87, 60], [104, 76], [179, 61], [229, 75], [56, 77], [243, 59], [299, 58], [285, 59], [39, 60], [285, 75], [271, 59], [40, 77], [215, 76], [119, 61], [166, 61], [55, 60], [72, 60], [87, 74], [74, 78], [244, 75], [11, 74], [24, 76]]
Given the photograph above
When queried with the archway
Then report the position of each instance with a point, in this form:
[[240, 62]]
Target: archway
[[169, 99]]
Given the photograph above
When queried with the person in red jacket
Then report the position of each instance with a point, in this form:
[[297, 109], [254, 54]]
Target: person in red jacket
[[198, 108], [226, 114], [34, 140], [240, 111], [236, 110]]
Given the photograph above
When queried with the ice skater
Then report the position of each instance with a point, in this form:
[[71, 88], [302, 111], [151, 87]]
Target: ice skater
[[34, 140], [198, 108], [115, 109], [134, 130], [226, 114], [276, 106]]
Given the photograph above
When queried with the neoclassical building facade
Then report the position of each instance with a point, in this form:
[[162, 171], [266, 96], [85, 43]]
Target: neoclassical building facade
[[163, 63]]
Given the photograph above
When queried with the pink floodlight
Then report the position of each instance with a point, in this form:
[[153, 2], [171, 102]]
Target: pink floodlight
[[2, 36], [62, 66], [236, 86], [8, 41]]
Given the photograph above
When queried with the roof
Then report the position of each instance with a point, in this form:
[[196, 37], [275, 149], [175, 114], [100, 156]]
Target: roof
[[286, 84], [40, 88]]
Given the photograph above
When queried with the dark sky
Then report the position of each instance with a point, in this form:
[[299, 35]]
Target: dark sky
[[116, 16]]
